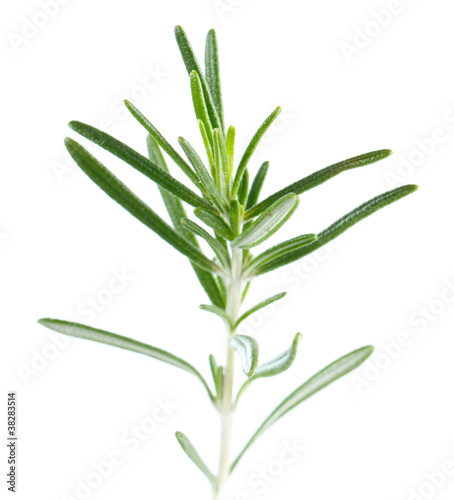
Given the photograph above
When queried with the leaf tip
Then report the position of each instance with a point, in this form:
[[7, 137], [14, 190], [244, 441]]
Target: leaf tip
[[70, 143], [367, 350]]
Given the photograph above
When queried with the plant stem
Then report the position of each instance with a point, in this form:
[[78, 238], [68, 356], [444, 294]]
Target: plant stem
[[233, 304]]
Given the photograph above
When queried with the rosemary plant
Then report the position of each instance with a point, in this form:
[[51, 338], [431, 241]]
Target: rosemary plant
[[233, 221]]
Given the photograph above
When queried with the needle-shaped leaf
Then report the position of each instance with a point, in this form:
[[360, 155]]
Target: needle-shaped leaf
[[139, 162], [230, 148], [219, 383], [245, 291], [248, 351], [222, 168], [114, 188], [211, 287], [219, 312], [341, 225], [202, 172], [200, 108], [177, 212], [213, 366], [261, 305], [213, 74], [318, 178], [320, 380], [104, 337], [215, 222], [221, 285], [268, 222], [208, 149], [192, 453], [275, 366], [192, 64], [280, 363], [220, 251], [157, 136], [235, 217], [280, 250], [173, 205], [257, 185], [218, 376], [251, 148], [244, 189]]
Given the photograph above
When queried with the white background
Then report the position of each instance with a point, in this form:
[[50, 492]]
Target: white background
[[62, 238]]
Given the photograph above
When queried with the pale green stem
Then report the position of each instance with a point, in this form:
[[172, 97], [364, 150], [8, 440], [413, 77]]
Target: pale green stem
[[233, 304]]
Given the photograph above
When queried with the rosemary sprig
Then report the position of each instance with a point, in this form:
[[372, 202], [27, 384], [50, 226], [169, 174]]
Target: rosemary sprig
[[236, 221]]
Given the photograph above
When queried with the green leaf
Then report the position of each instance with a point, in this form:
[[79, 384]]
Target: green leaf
[[275, 366], [191, 452], [323, 378], [215, 222], [230, 148], [318, 178], [220, 251], [218, 376], [281, 363], [219, 383], [173, 205], [139, 162], [251, 148], [244, 189], [114, 188], [103, 337], [157, 136], [202, 172], [208, 149], [248, 351], [200, 108], [279, 250], [222, 288], [257, 185], [213, 366], [268, 222], [219, 312], [213, 74], [192, 64], [260, 305], [245, 291], [340, 226], [210, 285], [235, 217], [222, 169], [177, 212]]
